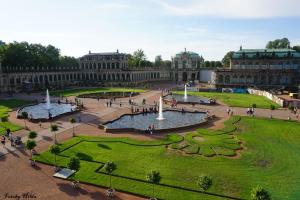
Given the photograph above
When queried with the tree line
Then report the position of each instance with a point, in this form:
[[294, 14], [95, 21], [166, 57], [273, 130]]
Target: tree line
[[24, 54]]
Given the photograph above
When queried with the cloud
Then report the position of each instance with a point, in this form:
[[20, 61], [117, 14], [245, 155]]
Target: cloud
[[233, 8]]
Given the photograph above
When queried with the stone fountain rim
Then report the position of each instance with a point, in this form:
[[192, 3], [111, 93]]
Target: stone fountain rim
[[45, 119], [166, 130]]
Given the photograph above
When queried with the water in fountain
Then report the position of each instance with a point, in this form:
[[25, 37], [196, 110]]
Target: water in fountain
[[48, 103], [160, 110], [185, 92]]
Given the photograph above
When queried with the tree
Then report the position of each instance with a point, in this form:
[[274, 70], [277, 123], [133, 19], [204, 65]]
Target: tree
[[74, 163], [32, 135], [206, 64], [109, 167], [204, 182], [218, 64], [2, 43], [272, 107], [158, 61], [296, 48], [258, 193], [30, 144], [24, 115], [55, 150], [139, 56], [226, 59], [278, 44], [154, 178], [54, 128], [19, 55], [73, 121]]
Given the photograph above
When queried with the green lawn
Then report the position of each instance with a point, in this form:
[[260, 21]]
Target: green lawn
[[271, 159], [79, 91], [236, 100], [5, 107]]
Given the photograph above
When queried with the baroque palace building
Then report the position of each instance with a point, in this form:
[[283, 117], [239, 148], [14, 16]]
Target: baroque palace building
[[266, 68], [94, 69], [186, 66]]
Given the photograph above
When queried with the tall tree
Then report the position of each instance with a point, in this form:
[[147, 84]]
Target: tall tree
[[154, 178], [54, 128], [226, 59], [206, 63], [109, 167], [158, 61], [54, 149], [296, 48], [139, 56], [278, 44]]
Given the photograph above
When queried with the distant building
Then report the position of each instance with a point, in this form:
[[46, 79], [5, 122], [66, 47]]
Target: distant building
[[94, 69], [268, 68], [186, 66]]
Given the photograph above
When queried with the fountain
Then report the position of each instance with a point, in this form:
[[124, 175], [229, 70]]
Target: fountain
[[48, 103], [160, 110], [185, 99], [185, 92], [167, 120], [41, 111]]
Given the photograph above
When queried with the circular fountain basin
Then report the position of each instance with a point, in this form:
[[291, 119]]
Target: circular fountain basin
[[39, 111], [190, 99], [173, 120]]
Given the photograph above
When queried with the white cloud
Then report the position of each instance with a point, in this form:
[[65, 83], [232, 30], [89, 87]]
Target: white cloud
[[234, 8]]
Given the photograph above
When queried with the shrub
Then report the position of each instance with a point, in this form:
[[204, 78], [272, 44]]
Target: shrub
[[32, 135], [204, 182], [258, 193]]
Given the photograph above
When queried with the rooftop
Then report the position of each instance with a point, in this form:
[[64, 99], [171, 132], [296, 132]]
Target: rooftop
[[266, 53]]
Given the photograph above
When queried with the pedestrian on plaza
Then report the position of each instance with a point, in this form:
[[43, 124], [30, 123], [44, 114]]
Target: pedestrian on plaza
[[40, 124], [107, 104], [120, 104], [3, 141], [110, 103]]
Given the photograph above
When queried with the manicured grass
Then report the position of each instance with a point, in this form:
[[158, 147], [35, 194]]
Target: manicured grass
[[236, 100], [79, 91], [271, 159], [5, 107]]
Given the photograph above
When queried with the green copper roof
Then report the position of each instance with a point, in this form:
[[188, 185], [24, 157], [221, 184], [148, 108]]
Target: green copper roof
[[187, 53], [266, 53]]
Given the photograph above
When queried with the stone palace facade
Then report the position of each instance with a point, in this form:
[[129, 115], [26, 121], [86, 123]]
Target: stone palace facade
[[186, 66], [266, 68], [94, 69]]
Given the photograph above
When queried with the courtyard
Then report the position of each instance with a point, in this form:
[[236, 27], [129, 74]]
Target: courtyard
[[238, 151]]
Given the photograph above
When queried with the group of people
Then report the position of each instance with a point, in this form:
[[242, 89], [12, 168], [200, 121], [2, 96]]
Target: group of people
[[10, 137], [250, 112], [229, 111]]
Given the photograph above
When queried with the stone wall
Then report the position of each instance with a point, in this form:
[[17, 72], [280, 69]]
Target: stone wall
[[269, 95]]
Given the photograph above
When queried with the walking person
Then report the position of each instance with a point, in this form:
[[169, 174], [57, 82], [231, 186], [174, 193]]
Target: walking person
[[3, 141]]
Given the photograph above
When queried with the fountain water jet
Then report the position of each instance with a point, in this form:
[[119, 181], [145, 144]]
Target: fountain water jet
[[48, 103], [160, 110], [185, 92]]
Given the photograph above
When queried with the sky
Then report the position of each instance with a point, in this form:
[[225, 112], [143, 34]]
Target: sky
[[159, 27]]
